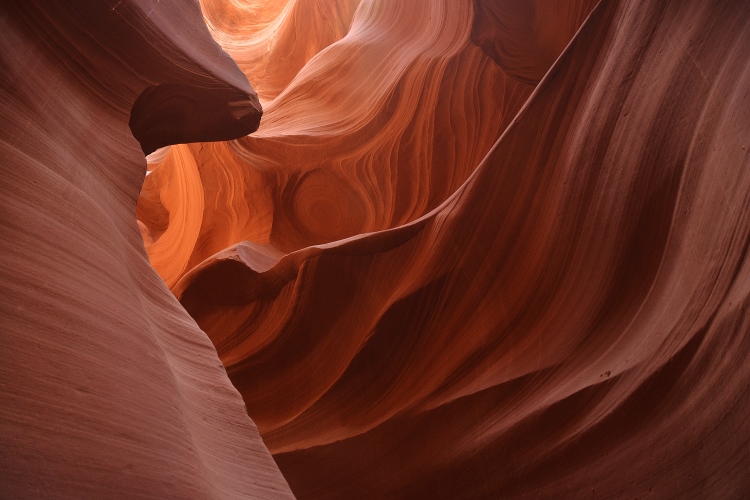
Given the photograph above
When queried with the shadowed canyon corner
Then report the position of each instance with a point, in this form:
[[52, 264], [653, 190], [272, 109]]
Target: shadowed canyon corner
[[333, 249]]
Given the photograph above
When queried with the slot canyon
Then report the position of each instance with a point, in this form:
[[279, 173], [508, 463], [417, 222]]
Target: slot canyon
[[375, 249]]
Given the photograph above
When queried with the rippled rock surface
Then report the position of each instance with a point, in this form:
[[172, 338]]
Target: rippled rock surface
[[108, 389], [474, 249], [571, 320]]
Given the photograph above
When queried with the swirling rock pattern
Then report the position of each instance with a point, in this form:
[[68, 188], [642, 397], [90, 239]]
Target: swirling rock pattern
[[375, 131], [272, 40], [108, 389], [524, 38], [475, 249], [572, 321]]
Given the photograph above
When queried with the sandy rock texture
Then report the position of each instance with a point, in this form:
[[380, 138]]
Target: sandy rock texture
[[108, 389], [373, 132], [572, 320], [472, 249]]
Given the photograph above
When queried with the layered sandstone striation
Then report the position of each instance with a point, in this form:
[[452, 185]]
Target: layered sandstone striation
[[475, 249], [108, 389], [572, 320], [526, 37], [374, 132], [271, 40]]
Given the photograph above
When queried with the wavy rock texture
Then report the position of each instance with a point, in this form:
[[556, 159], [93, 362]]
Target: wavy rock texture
[[571, 321], [374, 132], [272, 40], [524, 38], [108, 389]]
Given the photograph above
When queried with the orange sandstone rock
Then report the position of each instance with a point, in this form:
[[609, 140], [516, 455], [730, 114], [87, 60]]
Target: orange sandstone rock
[[375, 131], [572, 321], [108, 389]]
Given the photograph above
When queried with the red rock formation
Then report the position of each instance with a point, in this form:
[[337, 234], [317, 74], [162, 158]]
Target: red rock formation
[[525, 37], [335, 155], [572, 321], [108, 389], [431, 273], [272, 40]]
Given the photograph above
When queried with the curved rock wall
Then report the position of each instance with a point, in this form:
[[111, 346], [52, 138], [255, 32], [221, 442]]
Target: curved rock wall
[[475, 249], [375, 131], [572, 321], [108, 389]]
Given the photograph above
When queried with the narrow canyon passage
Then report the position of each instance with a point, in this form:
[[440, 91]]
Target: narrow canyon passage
[[378, 249]]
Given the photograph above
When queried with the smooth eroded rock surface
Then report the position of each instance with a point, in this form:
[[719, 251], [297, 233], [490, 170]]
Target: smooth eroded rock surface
[[475, 249], [572, 321], [108, 389], [373, 132]]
